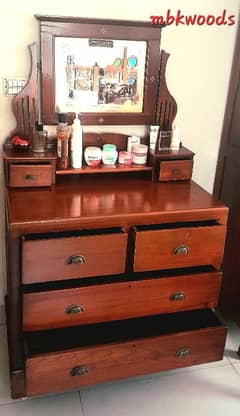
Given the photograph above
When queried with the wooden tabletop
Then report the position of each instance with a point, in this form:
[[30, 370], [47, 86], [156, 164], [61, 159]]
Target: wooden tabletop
[[113, 201]]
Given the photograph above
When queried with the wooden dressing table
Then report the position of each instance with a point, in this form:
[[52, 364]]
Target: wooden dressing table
[[110, 275]]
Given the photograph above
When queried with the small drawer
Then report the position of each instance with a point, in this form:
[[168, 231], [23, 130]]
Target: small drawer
[[122, 300], [111, 351], [175, 170], [73, 257], [30, 175], [170, 248]]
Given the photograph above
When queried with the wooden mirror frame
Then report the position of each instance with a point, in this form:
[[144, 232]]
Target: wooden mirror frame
[[51, 27]]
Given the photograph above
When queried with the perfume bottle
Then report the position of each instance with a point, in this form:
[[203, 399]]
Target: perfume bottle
[[63, 134]]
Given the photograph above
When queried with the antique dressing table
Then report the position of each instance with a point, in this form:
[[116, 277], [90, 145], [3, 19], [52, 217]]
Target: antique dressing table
[[112, 273]]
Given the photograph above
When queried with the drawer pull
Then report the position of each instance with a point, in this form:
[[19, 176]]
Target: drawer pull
[[29, 177], [79, 371], [181, 250], [176, 172], [177, 296], [77, 259], [73, 309], [183, 352]]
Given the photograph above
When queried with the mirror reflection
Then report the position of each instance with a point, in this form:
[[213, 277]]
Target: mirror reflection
[[99, 75]]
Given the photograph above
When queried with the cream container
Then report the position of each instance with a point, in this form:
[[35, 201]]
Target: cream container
[[125, 158], [109, 154], [92, 155], [139, 152]]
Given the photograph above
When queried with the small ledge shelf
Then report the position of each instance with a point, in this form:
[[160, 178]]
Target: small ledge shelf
[[103, 169]]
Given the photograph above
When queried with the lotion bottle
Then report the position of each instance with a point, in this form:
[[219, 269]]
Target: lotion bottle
[[76, 143]]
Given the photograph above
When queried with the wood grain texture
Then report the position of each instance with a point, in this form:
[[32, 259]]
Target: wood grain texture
[[30, 175], [52, 372], [156, 249], [109, 302], [45, 260]]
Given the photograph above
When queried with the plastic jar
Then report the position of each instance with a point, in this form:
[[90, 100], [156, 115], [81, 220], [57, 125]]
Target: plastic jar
[[109, 154], [125, 158], [139, 152], [92, 155]]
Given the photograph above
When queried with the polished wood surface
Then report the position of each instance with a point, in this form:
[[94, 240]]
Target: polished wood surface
[[49, 259], [54, 372], [114, 301], [175, 170], [122, 201], [180, 247]]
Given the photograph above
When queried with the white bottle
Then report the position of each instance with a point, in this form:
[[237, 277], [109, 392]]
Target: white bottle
[[176, 139], [76, 143]]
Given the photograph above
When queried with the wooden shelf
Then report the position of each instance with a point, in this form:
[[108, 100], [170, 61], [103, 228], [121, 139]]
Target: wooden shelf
[[104, 169]]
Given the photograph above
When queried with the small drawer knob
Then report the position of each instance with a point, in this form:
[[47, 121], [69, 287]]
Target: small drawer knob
[[29, 177], [176, 172], [79, 371], [76, 259], [183, 352], [177, 296], [73, 309], [181, 250]]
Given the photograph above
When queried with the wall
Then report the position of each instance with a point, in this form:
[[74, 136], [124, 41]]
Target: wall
[[198, 69]]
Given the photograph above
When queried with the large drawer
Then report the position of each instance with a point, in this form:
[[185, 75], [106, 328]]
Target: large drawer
[[115, 301], [178, 246], [121, 349], [60, 258]]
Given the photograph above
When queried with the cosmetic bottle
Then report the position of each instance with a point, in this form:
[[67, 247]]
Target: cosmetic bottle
[[76, 143], [63, 134]]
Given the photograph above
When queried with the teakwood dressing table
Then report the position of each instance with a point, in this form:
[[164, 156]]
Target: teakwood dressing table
[[112, 273]]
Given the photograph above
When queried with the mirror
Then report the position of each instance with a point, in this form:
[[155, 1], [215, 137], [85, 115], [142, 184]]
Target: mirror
[[107, 70]]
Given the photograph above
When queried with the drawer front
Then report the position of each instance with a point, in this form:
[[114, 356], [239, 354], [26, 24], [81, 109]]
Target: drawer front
[[180, 247], [109, 302], [30, 175], [73, 257], [80, 367], [175, 170]]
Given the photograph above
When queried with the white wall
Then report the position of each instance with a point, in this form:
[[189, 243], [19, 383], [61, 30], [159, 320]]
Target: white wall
[[198, 69]]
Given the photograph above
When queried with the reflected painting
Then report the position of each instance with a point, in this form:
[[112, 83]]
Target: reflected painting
[[99, 75]]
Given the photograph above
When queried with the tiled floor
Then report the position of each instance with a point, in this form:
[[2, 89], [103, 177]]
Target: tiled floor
[[209, 390]]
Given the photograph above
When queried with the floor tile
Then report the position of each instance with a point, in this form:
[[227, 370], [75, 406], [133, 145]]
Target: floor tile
[[60, 405], [212, 391]]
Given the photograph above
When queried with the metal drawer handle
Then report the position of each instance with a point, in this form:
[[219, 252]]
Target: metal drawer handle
[[177, 296], [79, 371], [29, 177], [73, 309], [77, 259], [181, 250], [176, 171], [183, 352]]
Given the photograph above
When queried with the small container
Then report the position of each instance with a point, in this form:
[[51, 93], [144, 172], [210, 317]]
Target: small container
[[125, 158], [154, 129], [39, 141], [109, 154], [139, 152], [92, 155], [132, 140]]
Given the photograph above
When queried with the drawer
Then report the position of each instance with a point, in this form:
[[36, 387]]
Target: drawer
[[121, 349], [30, 175], [185, 246], [175, 170], [116, 301], [73, 256]]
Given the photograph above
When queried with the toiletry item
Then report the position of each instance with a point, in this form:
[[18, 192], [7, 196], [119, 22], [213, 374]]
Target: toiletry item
[[154, 128], [131, 141], [109, 154], [164, 140], [63, 134], [76, 143], [176, 139], [93, 155], [125, 158], [39, 139], [139, 152]]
